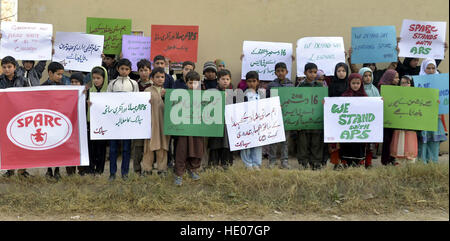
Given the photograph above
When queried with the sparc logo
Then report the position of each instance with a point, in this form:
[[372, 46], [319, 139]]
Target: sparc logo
[[39, 129]]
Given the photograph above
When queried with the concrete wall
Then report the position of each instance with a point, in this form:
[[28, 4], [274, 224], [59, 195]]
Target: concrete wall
[[225, 24]]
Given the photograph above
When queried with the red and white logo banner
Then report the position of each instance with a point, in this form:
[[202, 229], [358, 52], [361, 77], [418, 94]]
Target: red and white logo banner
[[43, 127]]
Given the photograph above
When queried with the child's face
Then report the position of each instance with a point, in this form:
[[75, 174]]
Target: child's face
[[321, 79], [367, 77], [144, 73], [28, 65], [431, 69], [281, 73], [414, 63], [210, 75], [224, 81], [193, 84], [220, 67], [160, 63], [372, 67], [124, 70], [8, 69], [396, 79], [355, 84], [158, 79], [341, 73], [186, 70], [392, 65], [311, 75], [74, 82], [57, 76], [252, 83], [405, 82], [97, 79], [108, 61]]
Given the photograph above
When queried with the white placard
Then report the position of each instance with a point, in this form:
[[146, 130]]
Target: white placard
[[263, 56], [78, 51], [421, 39], [117, 116], [353, 119], [325, 52], [26, 41], [255, 123]]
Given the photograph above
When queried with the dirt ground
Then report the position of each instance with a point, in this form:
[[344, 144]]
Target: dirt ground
[[404, 215]]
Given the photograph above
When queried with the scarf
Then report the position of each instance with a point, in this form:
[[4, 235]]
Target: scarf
[[349, 92], [369, 88]]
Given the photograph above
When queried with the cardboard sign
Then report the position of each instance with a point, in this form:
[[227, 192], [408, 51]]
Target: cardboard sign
[[112, 29], [135, 48], [77, 51], [420, 39], [375, 44], [302, 107], [26, 41], [435, 81], [353, 119], [410, 108], [263, 56], [175, 42], [123, 115], [325, 52], [254, 123]]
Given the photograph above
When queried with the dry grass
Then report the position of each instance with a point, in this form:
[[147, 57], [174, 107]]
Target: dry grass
[[236, 191]]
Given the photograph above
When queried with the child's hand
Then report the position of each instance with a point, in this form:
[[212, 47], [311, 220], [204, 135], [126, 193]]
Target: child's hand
[[121, 55], [445, 46], [323, 102], [350, 51], [438, 101], [382, 98], [0, 35], [293, 57], [398, 39], [242, 56], [89, 103], [163, 92], [103, 57]]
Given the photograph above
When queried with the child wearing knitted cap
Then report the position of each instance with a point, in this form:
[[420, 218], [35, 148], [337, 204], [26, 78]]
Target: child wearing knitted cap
[[210, 73]]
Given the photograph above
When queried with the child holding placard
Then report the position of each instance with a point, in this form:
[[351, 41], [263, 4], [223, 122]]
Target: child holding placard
[[281, 81], [390, 77], [158, 145], [123, 83], [404, 142], [429, 141], [219, 147], [189, 149], [354, 153], [252, 157], [337, 87], [97, 148], [310, 142], [371, 91]]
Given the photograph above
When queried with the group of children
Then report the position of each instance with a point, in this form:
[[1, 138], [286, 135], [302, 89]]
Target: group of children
[[187, 152]]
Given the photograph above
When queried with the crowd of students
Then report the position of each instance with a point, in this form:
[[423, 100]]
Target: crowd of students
[[185, 153]]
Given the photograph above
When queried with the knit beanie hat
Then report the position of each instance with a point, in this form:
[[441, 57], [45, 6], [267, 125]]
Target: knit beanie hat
[[209, 65], [219, 62]]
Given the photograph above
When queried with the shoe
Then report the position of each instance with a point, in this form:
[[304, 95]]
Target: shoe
[[285, 165], [272, 164], [256, 168], [8, 173], [112, 177], [178, 181], [125, 177], [162, 174], [25, 174], [56, 175], [49, 173], [194, 176], [249, 168]]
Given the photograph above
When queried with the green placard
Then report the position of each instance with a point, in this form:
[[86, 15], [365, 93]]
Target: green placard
[[410, 108], [194, 113], [302, 107], [112, 29]]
